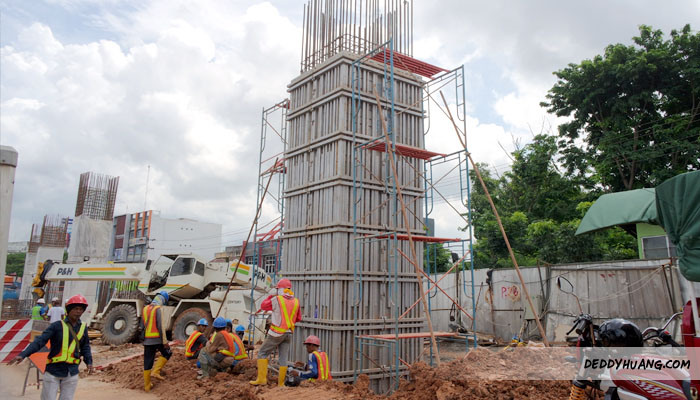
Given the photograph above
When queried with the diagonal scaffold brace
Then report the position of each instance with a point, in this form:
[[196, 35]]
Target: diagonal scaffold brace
[[500, 226], [419, 277]]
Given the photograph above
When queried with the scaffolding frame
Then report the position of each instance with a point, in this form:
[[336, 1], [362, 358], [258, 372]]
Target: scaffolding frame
[[392, 149], [267, 167]]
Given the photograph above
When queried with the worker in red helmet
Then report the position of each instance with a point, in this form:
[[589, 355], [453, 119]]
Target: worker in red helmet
[[69, 342], [285, 314], [318, 366]]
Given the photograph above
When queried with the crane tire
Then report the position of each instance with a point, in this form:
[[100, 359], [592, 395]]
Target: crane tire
[[121, 324], [186, 322]]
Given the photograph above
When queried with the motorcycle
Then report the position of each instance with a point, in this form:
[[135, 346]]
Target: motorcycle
[[620, 383]]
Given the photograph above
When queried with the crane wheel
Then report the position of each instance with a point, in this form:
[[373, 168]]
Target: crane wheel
[[121, 324], [186, 322]]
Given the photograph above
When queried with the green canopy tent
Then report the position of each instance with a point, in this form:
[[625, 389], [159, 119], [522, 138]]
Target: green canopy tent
[[621, 208], [675, 205], [678, 208]]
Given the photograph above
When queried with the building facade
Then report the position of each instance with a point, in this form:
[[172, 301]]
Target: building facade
[[146, 235], [268, 252]]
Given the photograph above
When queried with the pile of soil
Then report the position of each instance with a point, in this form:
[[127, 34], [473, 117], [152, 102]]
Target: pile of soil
[[474, 377], [104, 354]]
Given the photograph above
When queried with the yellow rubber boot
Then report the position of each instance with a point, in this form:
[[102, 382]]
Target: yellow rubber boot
[[158, 366], [147, 380], [282, 376], [262, 373]]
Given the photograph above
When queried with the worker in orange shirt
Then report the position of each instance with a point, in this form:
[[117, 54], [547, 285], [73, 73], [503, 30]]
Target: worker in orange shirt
[[285, 314]]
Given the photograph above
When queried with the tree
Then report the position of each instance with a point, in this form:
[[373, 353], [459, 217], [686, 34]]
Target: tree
[[540, 209], [437, 258], [635, 108], [15, 263]]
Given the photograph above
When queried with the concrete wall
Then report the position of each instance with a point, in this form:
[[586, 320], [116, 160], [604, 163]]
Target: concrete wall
[[90, 238], [635, 289], [182, 235]]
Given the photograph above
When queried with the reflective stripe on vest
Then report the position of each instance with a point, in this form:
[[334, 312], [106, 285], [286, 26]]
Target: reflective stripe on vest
[[36, 313], [288, 319], [67, 350], [241, 348], [324, 370], [229, 342], [189, 350], [149, 321]]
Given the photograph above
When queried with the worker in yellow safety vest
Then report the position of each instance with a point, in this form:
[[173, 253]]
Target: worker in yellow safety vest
[[224, 350], [285, 314], [69, 342], [318, 366], [196, 341], [154, 340]]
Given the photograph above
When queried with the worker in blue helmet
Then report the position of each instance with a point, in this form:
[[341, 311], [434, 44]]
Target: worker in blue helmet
[[240, 332], [154, 339], [229, 326], [196, 341], [221, 352]]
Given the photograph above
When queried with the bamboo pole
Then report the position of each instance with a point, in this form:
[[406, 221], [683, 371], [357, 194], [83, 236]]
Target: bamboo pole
[[500, 226], [390, 151]]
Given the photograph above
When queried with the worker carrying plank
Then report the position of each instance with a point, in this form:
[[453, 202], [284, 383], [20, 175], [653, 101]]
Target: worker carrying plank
[[285, 314], [154, 340], [318, 366], [69, 342], [224, 350], [196, 341]]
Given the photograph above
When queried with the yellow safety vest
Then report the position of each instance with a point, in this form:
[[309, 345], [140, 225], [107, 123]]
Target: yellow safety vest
[[149, 321], [324, 370], [189, 351], [68, 349], [288, 319]]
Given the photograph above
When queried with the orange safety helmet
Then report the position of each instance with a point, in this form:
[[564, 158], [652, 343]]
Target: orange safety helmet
[[312, 339], [77, 300], [284, 284]]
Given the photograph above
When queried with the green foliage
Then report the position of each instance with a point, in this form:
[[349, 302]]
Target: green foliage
[[636, 108], [15, 263], [437, 258], [540, 209]]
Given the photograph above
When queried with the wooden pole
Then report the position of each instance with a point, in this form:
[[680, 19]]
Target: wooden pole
[[500, 226], [390, 151], [245, 244]]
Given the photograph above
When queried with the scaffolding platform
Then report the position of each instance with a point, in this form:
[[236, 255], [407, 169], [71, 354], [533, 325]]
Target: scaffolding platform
[[414, 335], [403, 150], [408, 63], [417, 238]]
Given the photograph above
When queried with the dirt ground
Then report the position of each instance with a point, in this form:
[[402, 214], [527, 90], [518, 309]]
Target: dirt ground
[[482, 374]]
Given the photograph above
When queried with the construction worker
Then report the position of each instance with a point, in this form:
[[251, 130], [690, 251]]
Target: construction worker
[[318, 366], [38, 311], [224, 350], [69, 342], [154, 340], [229, 326], [196, 341], [56, 312], [240, 332], [285, 314]]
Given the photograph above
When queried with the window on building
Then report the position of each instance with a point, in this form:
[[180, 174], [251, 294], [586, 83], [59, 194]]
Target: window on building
[[182, 266], [250, 260], [199, 269], [658, 247], [269, 262]]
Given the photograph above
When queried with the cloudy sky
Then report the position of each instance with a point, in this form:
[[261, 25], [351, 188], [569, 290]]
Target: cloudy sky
[[178, 85]]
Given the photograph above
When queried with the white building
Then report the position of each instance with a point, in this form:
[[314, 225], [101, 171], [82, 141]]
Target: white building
[[146, 235]]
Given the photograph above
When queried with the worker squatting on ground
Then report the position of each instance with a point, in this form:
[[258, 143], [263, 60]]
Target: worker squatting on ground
[[69, 342], [285, 314], [196, 341], [154, 340], [318, 366], [224, 350], [39, 310]]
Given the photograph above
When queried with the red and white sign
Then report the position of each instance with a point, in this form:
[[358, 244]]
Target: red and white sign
[[15, 336]]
